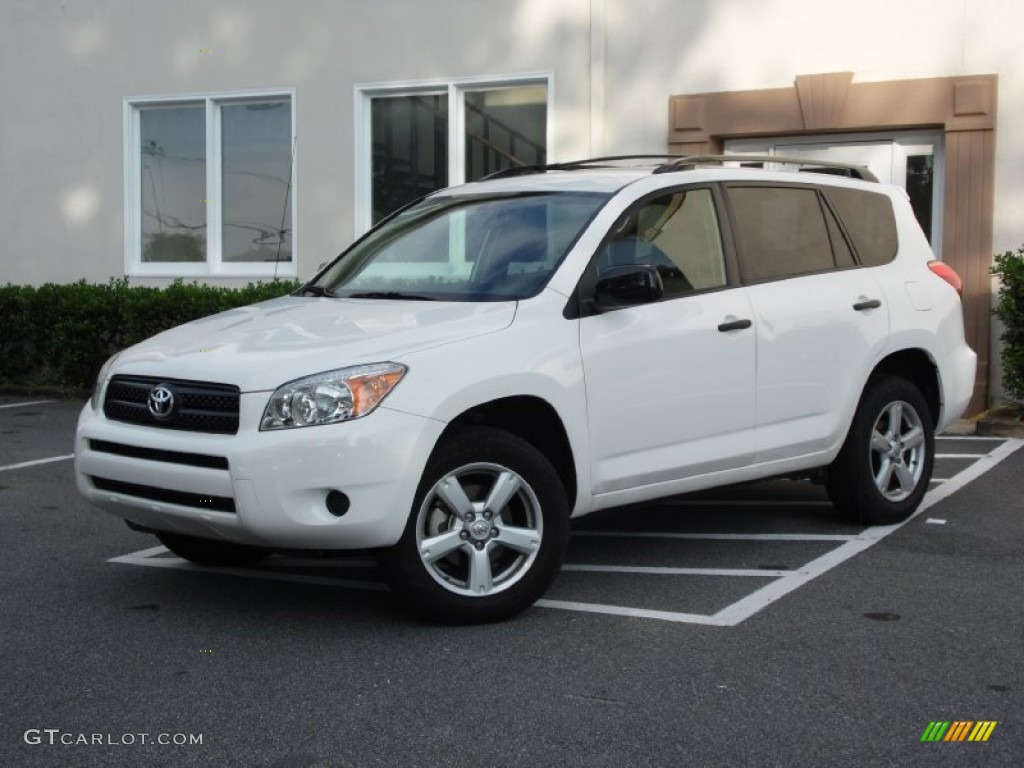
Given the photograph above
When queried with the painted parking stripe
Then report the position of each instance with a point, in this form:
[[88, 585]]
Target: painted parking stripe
[[969, 437], [37, 462], [782, 582], [717, 536], [633, 613], [22, 405], [959, 455], [659, 570], [744, 502], [765, 596], [971, 473]]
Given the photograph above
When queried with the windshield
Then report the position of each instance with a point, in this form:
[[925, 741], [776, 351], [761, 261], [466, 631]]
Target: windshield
[[463, 248]]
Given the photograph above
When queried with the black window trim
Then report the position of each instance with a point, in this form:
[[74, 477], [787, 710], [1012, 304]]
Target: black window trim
[[823, 203], [580, 304], [846, 232]]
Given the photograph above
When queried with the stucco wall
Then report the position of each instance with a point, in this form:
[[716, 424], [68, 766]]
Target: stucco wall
[[67, 66], [695, 46]]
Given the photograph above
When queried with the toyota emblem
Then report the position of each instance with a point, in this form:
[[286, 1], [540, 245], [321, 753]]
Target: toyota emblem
[[161, 401]]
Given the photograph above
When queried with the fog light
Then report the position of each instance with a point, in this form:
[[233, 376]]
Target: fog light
[[337, 503]]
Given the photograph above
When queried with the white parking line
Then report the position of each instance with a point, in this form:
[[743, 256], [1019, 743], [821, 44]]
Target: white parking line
[[782, 581], [719, 536], [751, 604], [37, 462], [22, 405], [658, 570], [745, 502], [633, 613], [959, 455], [973, 472], [968, 437]]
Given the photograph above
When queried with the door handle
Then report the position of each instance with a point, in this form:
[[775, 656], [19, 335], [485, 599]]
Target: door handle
[[734, 325], [860, 306]]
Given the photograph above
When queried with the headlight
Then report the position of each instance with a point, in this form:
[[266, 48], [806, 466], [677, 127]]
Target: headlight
[[330, 397], [100, 379]]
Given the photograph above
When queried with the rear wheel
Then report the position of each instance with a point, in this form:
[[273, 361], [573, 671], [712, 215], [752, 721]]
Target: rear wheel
[[486, 533], [885, 465], [211, 552]]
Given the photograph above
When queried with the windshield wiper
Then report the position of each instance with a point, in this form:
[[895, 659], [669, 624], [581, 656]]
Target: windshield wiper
[[316, 290], [389, 295]]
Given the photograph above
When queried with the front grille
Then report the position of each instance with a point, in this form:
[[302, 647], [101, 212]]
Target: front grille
[[196, 406], [181, 498], [156, 454]]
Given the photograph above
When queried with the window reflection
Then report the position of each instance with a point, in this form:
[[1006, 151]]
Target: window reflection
[[173, 183], [505, 127], [410, 149], [920, 188], [256, 184]]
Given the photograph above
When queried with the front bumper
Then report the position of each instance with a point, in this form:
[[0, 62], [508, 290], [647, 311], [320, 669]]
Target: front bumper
[[277, 482]]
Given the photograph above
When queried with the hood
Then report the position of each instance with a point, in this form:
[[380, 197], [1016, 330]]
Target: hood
[[264, 345]]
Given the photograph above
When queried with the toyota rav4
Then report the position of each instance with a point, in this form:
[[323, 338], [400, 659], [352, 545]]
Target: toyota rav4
[[503, 356]]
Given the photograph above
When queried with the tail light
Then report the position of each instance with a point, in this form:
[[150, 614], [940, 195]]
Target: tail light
[[947, 273]]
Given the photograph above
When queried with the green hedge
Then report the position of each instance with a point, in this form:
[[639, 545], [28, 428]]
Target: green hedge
[[59, 335], [1009, 267]]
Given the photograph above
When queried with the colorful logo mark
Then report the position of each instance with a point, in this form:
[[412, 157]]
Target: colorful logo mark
[[958, 730]]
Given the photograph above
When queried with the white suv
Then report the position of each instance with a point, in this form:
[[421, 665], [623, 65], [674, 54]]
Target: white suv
[[505, 355]]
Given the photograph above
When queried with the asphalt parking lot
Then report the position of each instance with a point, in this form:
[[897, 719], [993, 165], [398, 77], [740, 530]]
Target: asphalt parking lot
[[748, 626]]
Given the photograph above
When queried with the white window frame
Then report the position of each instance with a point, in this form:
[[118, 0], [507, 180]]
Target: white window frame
[[214, 266], [455, 88]]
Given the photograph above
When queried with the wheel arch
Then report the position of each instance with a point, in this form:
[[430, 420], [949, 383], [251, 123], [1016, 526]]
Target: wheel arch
[[918, 367], [532, 419]]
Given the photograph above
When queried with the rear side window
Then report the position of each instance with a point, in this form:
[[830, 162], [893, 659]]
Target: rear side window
[[869, 221], [782, 232]]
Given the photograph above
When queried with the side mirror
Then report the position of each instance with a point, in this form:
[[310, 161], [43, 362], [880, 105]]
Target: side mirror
[[626, 286]]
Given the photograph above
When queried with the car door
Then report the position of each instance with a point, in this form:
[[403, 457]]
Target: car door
[[670, 384], [821, 321]]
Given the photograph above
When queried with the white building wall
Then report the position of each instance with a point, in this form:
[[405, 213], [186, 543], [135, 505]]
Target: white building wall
[[660, 47], [66, 68]]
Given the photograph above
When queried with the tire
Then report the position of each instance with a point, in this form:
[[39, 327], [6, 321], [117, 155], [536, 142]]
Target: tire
[[211, 552], [883, 470], [487, 530]]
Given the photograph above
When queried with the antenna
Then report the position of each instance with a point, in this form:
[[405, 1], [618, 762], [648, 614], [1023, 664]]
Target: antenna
[[284, 211]]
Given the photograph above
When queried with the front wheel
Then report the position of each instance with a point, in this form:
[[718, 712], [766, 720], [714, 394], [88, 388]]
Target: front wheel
[[486, 533], [883, 470]]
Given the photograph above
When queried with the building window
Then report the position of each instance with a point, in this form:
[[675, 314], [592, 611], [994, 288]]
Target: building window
[[415, 138], [410, 149], [209, 187]]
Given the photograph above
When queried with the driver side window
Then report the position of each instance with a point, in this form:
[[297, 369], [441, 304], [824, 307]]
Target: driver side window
[[677, 233]]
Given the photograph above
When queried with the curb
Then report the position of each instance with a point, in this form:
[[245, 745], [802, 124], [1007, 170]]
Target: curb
[[995, 427]]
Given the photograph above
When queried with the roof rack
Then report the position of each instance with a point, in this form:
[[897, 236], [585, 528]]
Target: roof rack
[[572, 165], [689, 162]]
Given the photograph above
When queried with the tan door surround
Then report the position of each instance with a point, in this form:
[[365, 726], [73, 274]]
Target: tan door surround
[[964, 108]]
